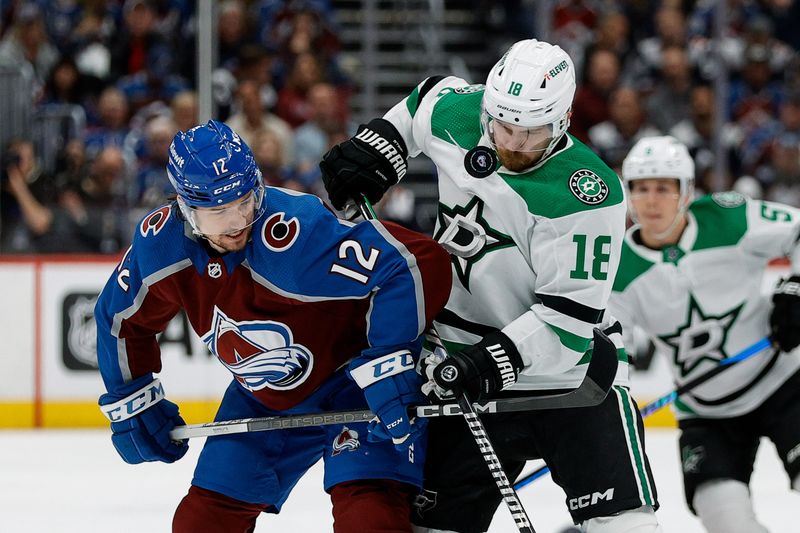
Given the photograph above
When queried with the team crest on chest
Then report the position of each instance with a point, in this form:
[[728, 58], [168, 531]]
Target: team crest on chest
[[279, 234], [465, 233], [701, 337], [588, 187], [259, 353]]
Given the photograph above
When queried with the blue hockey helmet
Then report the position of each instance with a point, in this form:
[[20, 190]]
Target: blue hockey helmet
[[210, 167]]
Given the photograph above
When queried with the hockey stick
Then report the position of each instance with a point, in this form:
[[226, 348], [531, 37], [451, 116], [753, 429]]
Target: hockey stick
[[509, 495], [667, 399], [592, 390], [585, 395]]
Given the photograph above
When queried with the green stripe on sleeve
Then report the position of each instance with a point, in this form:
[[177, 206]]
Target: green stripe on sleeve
[[412, 102], [576, 343]]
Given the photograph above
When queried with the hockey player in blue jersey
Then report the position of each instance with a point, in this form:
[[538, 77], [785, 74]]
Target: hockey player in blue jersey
[[309, 313]]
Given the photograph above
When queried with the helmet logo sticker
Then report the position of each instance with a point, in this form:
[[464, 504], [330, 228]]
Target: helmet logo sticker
[[278, 234], [480, 162], [588, 187], [553, 72]]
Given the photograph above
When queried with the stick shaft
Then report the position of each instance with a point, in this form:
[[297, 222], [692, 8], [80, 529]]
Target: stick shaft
[[509, 495]]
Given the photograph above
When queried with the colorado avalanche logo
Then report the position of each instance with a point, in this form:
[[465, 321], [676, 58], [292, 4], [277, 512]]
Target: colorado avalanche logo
[[155, 221], [259, 353], [279, 234], [346, 441]]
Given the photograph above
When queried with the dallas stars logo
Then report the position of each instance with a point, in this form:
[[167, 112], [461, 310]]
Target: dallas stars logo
[[588, 187], [467, 236], [701, 337]]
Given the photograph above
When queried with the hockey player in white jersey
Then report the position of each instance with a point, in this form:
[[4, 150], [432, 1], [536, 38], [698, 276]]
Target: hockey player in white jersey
[[534, 223], [691, 275]]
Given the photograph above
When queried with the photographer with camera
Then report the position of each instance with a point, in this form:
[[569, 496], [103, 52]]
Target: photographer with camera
[[38, 216], [22, 215]]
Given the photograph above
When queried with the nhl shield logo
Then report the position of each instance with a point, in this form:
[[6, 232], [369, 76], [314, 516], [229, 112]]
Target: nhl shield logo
[[345, 441], [588, 187], [214, 270], [79, 338]]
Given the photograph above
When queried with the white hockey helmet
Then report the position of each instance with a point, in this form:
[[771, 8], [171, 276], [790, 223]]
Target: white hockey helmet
[[660, 157], [529, 91]]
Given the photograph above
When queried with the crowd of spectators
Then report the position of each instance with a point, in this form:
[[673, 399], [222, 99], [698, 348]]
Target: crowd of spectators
[[644, 68], [128, 67], [651, 68]]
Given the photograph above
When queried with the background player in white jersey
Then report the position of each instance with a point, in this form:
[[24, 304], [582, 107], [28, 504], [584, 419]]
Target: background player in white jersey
[[309, 313], [691, 275], [534, 223]]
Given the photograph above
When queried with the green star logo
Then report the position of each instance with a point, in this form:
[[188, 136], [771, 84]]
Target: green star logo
[[467, 236], [701, 337]]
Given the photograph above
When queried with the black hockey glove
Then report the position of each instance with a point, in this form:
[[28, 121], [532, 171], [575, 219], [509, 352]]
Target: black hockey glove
[[785, 318], [491, 365], [368, 164]]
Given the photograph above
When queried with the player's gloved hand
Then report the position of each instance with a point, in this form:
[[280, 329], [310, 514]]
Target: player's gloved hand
[[491, 365], [368, 163], [141, 420], [390, 387], [427, 363], [785, 318]]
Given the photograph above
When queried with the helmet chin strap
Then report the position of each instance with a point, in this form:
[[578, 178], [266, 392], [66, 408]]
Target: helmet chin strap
[[553, 143], [662, 236]]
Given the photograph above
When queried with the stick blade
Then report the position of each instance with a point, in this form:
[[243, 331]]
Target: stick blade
[[603, 365]]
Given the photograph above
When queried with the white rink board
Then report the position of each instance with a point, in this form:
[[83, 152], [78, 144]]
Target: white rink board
[[17, 318], [189, 372], [68, 357]]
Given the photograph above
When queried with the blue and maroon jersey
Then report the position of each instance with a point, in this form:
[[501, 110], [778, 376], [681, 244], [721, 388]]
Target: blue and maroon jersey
[[307, 294]]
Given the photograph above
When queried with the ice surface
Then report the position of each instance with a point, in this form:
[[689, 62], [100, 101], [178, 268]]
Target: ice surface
[[69, 481]]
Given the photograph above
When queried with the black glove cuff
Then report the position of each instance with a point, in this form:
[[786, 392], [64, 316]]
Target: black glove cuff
[[386, 130], [503, 352]]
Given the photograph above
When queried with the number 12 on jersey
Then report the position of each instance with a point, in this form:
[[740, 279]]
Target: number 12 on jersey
[[600, 256], [364, 261]]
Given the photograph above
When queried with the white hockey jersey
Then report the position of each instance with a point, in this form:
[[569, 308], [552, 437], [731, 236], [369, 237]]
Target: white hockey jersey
[[701, 300], [533, 253]]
